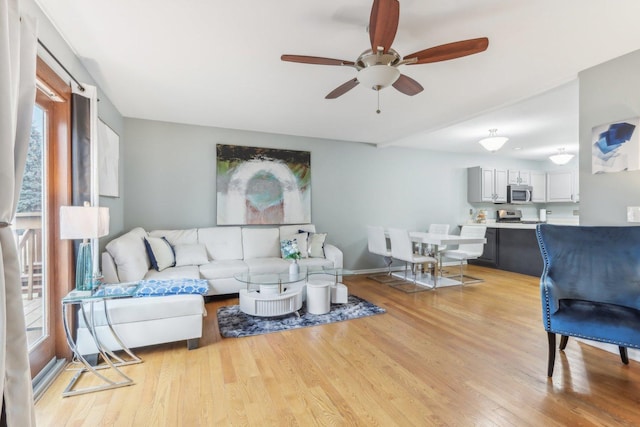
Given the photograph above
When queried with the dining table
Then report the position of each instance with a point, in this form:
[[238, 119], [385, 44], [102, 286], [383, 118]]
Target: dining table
[[437, 241]]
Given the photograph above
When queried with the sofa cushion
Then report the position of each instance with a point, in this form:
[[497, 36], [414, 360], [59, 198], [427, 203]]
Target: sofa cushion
[[191, 254], [261, 243], [267, 265], [185, 272], [160, 252], [130, 255], [316, 262], [222, 242], [222, 269], [176, 237]]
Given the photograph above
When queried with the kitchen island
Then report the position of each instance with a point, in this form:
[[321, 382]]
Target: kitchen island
[[512, 247]]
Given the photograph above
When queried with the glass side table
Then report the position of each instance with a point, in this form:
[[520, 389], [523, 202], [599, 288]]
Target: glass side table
[[86, 301]]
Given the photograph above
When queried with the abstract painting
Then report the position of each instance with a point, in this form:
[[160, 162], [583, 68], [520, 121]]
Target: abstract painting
[[615, 147], [262, 185]]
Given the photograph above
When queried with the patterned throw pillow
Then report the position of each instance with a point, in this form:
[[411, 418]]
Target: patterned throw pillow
[[160, 252], [289, 249], [151, 288]]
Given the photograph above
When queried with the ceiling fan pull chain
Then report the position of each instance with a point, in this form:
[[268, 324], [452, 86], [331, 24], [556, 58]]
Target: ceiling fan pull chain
[[378, 90]]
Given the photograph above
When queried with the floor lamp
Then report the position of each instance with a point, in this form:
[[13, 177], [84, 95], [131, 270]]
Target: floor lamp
[[84, 222]]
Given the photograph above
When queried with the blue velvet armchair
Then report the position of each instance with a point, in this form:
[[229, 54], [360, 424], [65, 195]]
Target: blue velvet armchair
[[590, 285]]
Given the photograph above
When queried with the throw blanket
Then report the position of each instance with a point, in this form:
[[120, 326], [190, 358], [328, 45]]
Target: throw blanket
[[150, 288]]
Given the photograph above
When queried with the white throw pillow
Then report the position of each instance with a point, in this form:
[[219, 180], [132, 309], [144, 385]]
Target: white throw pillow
[[302, 241], [161, 255], [130, 255], [316, 245], [195, 254]]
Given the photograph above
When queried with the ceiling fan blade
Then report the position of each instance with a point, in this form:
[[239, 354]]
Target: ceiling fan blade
[[342, 89], [315, 60], [383, 24], [407, 85], [450, 51]]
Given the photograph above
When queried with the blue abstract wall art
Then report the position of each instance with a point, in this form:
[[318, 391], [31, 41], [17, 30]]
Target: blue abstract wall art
[[616, 147]]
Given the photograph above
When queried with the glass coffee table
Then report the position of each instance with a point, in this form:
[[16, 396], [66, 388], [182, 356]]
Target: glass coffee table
[[271, 294], [277, 294]]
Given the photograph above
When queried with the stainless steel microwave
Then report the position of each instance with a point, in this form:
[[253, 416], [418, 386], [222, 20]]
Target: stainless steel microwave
[[519, 194]]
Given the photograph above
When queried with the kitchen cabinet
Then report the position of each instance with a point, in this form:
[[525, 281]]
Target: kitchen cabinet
[[489, 255], [560, 186], [518, 251], [517, 177], [538, 180], [513, 250], [486, 185]]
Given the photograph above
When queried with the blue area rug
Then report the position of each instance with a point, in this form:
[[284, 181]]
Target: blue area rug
[[234, 323]]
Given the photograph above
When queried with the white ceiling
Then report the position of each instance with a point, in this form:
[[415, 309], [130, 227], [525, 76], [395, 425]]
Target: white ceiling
[[217, 63]]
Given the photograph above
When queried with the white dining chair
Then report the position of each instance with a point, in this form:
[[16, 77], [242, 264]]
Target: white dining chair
[[377, 244], [467, 251], [402, 249], [438, 229]]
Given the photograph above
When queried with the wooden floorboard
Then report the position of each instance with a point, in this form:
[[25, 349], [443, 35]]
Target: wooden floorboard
[[457, 356]]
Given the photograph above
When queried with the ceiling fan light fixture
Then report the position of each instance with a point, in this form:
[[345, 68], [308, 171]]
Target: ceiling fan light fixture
[[378, 76], [493, 142], [561, 158]]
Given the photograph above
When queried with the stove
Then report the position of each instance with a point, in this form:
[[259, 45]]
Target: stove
[[512, 216], [509, 215]]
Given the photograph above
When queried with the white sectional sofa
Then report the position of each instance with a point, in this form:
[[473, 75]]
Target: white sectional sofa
[[212, 253]]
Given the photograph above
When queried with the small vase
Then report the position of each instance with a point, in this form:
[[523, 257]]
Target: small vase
[[294, 268]]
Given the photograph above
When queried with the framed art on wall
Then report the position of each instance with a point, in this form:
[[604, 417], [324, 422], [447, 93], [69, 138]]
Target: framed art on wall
[[262, 185], [615, 146], [108, 158]]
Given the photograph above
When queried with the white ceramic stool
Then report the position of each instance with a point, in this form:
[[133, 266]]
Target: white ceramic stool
[[339, 294], [318, 296]]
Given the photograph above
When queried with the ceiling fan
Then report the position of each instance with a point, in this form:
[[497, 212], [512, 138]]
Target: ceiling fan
[[378, 67]]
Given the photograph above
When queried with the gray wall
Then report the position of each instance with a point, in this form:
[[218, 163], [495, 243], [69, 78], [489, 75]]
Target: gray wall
[[106, 110], [170, 182], [608, 92]]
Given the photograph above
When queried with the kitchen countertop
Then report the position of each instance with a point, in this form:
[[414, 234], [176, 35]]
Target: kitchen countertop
[[521, 226]]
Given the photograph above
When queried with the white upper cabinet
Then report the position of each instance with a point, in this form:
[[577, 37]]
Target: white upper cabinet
[[517, 177], [486, 185], [538, 180], [560, 185]]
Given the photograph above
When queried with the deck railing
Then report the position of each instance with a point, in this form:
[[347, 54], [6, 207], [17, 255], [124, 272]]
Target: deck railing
[[28, 235]]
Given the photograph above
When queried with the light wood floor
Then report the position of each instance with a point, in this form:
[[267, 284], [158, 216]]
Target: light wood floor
[[454, 357]]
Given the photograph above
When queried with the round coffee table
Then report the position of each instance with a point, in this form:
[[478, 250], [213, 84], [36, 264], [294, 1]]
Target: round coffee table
[[273, 294]]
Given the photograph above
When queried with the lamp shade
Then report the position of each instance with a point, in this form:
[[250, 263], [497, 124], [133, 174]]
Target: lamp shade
[[83, 222], [493, 142], [378, 76], [561, 158]]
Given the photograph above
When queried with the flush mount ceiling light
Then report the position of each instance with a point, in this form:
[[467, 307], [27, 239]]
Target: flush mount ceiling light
[[494, 142], [561, 158]]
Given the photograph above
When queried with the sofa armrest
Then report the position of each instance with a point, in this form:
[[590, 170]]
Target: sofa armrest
[[334, 254], [109, 271]]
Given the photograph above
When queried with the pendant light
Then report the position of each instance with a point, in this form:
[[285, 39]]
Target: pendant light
[[493, 142], [561, 158]]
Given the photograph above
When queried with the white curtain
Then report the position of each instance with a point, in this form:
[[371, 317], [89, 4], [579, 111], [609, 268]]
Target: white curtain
[[18, 44]]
